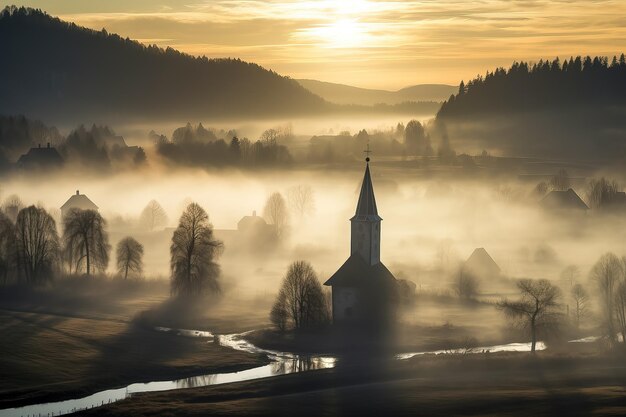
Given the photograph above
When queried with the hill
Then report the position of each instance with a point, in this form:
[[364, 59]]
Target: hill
[[573, 109], [346, 94], [62, 72]]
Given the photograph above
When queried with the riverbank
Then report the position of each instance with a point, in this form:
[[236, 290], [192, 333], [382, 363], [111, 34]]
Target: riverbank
[[578, 383], [81, 337]]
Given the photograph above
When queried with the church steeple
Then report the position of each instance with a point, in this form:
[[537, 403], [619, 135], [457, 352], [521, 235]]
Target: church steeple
[[365, 237]]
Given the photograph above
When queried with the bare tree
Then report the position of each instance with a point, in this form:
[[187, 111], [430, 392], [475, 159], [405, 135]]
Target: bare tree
[[193, 252], [536, 307], [560, 181], [129, 257], [570, 274], [301, 200], [7, 250], [601, 192], [86, 240], [467, 285], [580, 299], [606, 274], [153, 216], [301, 299], [37, 244], [275, 212], [11, 206]]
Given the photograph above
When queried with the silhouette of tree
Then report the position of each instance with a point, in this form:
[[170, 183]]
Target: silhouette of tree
[[560, 181], [86, 240], [601, 193], [129, 257], [301, 200], [8, 254], [467, 285], [416, 140], [536, 308], [193, 252], [37, 244], [580, 300], [570, 274], [153, 216], [606, 273], [300, 299], [275, 213], [12, 205]]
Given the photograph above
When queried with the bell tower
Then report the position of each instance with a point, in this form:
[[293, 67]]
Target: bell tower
[[365, 225]]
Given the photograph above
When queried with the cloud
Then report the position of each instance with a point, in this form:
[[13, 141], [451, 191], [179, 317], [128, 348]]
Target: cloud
[[371, 43]]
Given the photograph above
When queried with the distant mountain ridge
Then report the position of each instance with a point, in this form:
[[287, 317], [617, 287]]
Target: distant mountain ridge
[[57, 71], [346, 94]]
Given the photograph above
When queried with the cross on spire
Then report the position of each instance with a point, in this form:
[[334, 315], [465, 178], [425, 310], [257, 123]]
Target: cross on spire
[[367, 152]]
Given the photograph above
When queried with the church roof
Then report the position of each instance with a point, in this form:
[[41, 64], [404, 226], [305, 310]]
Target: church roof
[[366, 207], [355, 272]]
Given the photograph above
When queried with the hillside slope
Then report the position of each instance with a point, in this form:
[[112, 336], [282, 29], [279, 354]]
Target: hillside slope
[[60, 71], [346, 94]]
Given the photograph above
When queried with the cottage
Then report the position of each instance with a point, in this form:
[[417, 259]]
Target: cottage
[[563, 200], [77, 201], [40, 159]]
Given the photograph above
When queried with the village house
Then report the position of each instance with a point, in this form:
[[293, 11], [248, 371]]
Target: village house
[[40, 158], [77, 201]]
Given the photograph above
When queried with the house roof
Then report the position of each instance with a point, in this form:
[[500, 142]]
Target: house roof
[[249, 222], [79, 201], [563, 200], [41, 156], [355, 272], [366, 207], [481, 262]]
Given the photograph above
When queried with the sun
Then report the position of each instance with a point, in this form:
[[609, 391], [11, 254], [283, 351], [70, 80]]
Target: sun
[[342, 33]]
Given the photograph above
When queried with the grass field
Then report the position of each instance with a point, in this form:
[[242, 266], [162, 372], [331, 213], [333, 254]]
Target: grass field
[[485, 385], [51, 350]]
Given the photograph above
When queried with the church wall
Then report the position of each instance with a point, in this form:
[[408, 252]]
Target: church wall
[[344, 304]]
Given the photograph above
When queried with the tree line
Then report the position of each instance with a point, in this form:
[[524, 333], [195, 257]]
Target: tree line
[[33, 252], [579, 81]]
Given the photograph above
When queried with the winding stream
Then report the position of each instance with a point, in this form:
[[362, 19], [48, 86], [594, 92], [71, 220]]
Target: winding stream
[[282, 363]]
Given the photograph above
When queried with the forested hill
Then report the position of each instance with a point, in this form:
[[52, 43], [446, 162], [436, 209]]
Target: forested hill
[[59, 71], [582, 83]]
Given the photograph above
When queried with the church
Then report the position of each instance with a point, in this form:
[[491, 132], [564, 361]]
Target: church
[[363, 289]]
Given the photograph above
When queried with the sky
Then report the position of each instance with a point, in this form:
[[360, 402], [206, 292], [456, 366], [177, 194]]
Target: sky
[[366, 43]]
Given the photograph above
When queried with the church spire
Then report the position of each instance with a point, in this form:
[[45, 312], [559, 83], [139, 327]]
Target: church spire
[[365, 234], [366, 207]]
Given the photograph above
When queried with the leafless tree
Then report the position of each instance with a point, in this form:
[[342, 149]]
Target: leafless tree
[[580, 300], [86, 240], [466, 285], [153, 216], [606, 274], [301, 200], [193, 253], [11, 206], [570, 275], [7, 250], [560, 181], [275, 212], [300, 299], [446, 254], [601, 193], [37, 244], [129, 257], [536, 308]]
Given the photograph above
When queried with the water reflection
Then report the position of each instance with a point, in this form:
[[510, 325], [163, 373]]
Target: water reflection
[[282, 363]]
